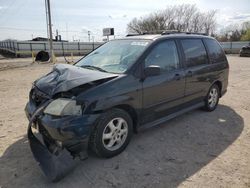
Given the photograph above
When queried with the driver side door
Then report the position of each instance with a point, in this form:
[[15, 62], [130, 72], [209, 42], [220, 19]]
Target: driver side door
[[164, 92]]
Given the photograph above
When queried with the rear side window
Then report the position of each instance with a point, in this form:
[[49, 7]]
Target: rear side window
[[194, 51], [164, 55], [215, 52]]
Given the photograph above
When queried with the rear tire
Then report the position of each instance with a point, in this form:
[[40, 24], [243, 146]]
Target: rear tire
[[112, 133], [212, 98]]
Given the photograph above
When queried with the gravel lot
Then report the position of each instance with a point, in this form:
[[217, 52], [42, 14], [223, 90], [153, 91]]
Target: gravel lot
[[198, 149]]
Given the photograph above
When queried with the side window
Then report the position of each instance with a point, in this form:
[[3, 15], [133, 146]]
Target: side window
[[164, 55], [195, 52], [216, 54]]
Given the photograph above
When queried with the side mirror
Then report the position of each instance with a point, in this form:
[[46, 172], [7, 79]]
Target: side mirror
[[152, 70]]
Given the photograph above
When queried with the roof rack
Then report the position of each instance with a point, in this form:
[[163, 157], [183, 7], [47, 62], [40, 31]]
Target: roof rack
[[168, 32], [145, 33], [133, 34]]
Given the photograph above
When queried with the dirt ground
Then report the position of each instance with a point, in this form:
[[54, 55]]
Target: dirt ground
[[198, 149]]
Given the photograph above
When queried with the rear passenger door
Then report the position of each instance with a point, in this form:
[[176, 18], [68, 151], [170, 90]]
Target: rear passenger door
[[196, 69]]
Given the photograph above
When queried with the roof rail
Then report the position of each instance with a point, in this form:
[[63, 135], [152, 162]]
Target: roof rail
[[196, 33], [133, 34], [145, 33], [168, 32]]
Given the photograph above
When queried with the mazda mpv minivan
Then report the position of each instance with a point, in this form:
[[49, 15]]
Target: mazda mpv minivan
[[120, 88]]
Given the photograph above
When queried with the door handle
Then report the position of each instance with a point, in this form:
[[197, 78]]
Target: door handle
[[189, 74]]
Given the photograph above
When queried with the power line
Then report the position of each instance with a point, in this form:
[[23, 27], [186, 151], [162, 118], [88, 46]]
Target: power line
[[16, 7], [8, 7], [20, 29], [23, 29]]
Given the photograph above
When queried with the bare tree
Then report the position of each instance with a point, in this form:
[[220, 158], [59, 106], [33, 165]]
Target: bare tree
[[197, 22], [182, 18], [209, 22]]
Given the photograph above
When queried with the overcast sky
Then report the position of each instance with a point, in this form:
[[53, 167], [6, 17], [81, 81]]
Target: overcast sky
[[22, 19]]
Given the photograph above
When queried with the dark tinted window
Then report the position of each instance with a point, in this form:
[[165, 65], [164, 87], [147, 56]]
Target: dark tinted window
[[164, 55], [215, 52], [195, 52]]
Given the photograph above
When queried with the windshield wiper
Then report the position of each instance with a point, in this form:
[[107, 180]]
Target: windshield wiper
[[91, 67]]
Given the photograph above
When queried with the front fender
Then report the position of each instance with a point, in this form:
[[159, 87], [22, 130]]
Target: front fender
[[109, 102], [126, 90]]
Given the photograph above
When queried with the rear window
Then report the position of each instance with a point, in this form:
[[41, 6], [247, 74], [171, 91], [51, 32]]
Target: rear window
[[215, 52], [194, 51]]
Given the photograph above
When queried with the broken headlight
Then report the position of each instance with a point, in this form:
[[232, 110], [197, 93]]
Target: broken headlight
[[63, 107]]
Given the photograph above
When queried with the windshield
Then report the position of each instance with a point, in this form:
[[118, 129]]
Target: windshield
[[115, 56]]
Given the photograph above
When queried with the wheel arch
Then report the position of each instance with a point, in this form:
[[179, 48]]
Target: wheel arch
[[219, 84], [132, 112]]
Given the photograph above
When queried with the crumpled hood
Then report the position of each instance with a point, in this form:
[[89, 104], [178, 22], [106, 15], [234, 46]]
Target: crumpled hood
[[64, 77]]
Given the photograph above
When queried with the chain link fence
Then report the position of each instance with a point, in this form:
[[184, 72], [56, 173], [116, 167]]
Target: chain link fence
[[234, 47], [27, 48]]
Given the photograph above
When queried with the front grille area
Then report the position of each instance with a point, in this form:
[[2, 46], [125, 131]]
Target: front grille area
[[45, 133], [47, 139], [37, 96]]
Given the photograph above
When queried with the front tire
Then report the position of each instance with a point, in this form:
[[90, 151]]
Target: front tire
[[212, 98], [112, 133]]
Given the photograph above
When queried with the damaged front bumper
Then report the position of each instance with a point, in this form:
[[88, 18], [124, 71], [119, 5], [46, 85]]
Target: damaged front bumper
[[60, 141], [54, 166]]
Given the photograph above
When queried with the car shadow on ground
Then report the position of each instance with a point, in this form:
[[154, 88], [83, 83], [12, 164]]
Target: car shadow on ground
[[162, 156]]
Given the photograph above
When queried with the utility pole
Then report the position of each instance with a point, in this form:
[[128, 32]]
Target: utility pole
[[46, 11], [50, 32], [57, 36], [89, 35], [67, 33]]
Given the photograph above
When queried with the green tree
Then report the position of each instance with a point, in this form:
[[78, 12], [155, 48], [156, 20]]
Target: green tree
[[246, 36]]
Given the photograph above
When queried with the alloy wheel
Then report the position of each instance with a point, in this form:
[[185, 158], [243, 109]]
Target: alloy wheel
[[213, 97], [115, 134]]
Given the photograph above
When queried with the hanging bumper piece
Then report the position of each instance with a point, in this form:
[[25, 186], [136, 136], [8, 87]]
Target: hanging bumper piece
[[55, 165]]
